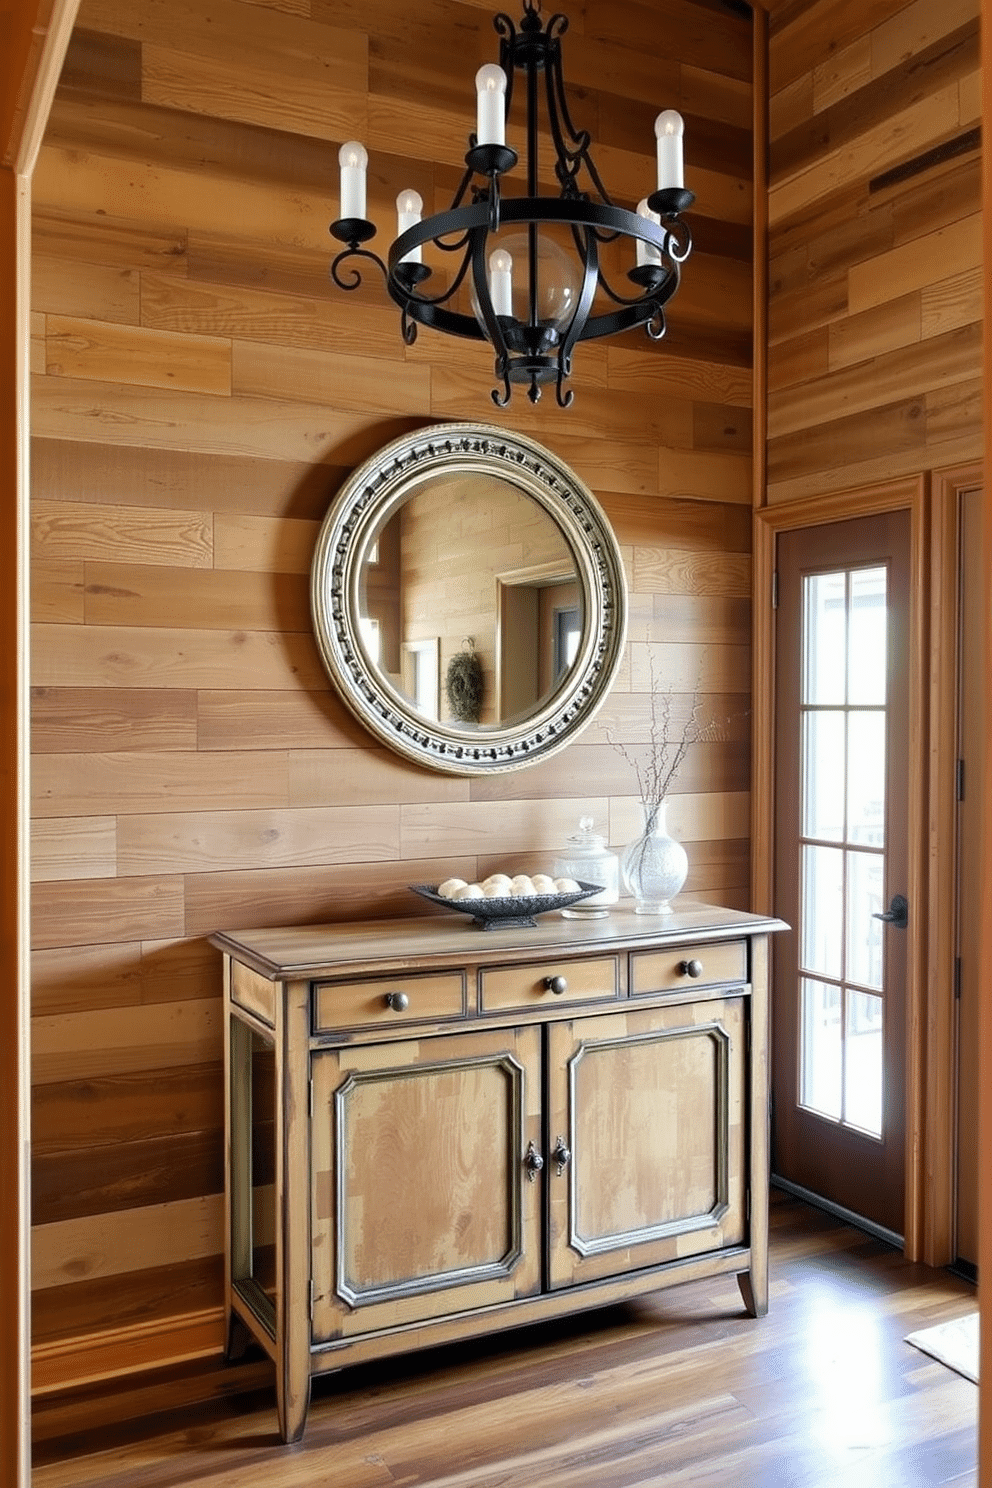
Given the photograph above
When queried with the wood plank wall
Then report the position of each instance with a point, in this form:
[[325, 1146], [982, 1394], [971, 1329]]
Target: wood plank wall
[[200, 390], [875, 280]]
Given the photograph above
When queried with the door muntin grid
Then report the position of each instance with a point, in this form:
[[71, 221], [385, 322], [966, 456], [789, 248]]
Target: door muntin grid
[[843, 732]]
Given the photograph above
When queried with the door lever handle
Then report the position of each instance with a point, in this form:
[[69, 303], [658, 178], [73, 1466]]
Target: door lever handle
[[897, 913]]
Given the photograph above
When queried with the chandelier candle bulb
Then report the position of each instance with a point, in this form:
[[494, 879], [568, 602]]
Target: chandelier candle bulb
[[490, 119], [646, 252], [669, 129], [353, 160], [409, 206], [501, 281]]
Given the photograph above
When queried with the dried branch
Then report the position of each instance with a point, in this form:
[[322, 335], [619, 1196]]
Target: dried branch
[[657, 767]]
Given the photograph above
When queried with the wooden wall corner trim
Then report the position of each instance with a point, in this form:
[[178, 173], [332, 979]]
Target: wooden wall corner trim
[[40, 79], [28, 74], [14, 1041], [69, 1363], [760, 259]]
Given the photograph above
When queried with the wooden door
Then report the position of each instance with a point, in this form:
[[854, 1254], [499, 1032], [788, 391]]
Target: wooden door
[[646, 1137], [422, 1201], [841, 809]]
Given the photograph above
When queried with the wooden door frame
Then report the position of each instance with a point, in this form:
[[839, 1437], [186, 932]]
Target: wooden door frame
[[925, 1127], [939, 1220]]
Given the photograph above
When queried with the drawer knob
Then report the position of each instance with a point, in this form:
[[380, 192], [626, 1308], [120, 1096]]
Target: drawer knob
[[556, 984], [398, 1001], [691, 968]]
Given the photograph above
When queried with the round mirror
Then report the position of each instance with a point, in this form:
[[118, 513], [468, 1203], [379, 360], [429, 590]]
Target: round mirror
[[468, 599]]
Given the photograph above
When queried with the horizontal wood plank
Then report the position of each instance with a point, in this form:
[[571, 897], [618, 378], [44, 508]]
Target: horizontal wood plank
[[176, 842], [256, 718], [104, 352], [77, 978], [73, 847], [130, 1106], [102, 911], [678, 571], [152, 657], [102, 1305], [125, 594], [117, 1041], [177, 479], [74, 530], [87, 784], [102, 1245], [249, 897], [83, 720], [129, 1175]]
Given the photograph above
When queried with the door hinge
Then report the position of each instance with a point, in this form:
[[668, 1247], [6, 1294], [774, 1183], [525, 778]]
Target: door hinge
[[957, 977], [959, 780], [775, 589], [312, 1290], [310, 1096], [748, 1198]]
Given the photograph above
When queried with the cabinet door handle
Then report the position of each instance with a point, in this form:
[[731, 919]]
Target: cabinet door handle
[[555, 984], [691, 968], [398, 1001], [533, 1162], [562, 1155]]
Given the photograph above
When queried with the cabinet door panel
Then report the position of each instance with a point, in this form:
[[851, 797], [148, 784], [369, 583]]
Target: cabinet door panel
[[422, 1203], [650, 1105]]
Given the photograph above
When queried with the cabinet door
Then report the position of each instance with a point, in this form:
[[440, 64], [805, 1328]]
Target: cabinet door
[[650, 1105], [423, 1202]]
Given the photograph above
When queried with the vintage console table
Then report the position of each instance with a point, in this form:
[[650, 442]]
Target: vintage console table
[[433, 1132]]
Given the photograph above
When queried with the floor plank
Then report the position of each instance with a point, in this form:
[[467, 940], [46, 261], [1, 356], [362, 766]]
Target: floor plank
[[680, 1388]]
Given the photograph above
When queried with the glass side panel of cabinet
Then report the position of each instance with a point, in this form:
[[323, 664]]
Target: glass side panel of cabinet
[[253, 1196]]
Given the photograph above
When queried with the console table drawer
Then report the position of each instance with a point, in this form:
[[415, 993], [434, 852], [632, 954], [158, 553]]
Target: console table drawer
[[522, 987], [687, 966], [388, 1000]]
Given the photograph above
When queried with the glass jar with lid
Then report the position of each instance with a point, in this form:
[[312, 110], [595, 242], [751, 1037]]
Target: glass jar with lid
[[587, 858]]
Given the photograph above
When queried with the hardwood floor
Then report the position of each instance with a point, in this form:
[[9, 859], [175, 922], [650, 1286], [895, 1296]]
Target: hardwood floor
[[681, 1388]]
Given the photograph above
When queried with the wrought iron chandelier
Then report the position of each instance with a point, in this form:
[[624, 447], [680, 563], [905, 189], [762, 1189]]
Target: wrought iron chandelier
[[527, 273]]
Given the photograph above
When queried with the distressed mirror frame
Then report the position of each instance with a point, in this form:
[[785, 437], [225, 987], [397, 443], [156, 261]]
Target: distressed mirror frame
[[361, 507]]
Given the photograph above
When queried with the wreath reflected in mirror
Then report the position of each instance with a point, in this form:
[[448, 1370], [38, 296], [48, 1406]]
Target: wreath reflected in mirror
[[464, 685]]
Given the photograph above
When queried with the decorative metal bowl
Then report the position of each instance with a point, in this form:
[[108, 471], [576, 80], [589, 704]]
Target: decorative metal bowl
[[509, 913]]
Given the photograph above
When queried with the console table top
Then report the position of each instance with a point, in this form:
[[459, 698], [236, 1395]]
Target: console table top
[[291, 952]]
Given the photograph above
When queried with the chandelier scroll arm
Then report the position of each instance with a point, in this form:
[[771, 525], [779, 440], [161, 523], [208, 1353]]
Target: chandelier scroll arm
[[487, 311], [657, 325], [354, 279], [507, 33], [587, 294], [571, 157]]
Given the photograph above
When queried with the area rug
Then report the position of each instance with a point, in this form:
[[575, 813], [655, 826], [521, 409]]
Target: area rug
[[954, 1344]]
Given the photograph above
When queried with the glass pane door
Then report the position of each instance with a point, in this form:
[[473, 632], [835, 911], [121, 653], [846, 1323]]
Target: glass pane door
[[843, 740]]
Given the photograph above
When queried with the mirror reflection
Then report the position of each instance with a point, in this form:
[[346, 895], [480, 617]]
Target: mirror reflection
[[471, 604]]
